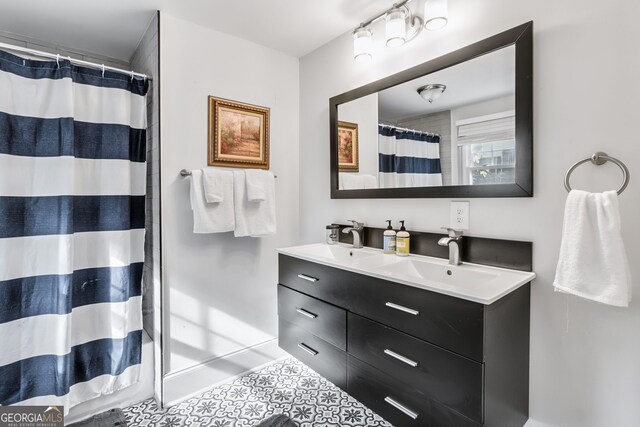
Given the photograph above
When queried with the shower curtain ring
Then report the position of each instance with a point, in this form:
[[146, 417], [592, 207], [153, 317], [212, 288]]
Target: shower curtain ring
[[58, 60], [103, 71]]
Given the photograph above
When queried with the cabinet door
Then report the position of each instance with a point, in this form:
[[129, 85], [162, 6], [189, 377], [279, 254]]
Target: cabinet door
[[398, 404], [439, 374], [323, 320], [324, 358], [326, 283], [446, 321]]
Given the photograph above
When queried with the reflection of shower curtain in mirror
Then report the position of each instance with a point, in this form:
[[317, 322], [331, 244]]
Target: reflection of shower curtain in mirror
[[72, 216], [408, 158]]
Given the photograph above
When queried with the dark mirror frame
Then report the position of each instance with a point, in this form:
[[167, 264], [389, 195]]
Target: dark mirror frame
[[520, 36]]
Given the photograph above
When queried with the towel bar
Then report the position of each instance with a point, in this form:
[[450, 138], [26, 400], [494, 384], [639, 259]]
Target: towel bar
[[185, 172], [598, 159]]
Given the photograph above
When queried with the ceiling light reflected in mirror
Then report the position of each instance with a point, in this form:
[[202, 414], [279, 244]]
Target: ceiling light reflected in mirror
[[431, 92]]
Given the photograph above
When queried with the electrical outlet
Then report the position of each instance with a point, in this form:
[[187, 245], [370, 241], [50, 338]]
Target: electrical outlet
[[459, 216]]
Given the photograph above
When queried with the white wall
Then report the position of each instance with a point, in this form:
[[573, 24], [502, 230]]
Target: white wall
[[364, 112], [585, 357], [220, 291]]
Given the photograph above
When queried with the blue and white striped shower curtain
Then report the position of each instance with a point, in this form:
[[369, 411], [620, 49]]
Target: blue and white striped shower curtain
[[72, 216], [408, 158]]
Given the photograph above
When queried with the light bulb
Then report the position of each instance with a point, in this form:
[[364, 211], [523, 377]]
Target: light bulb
[[396, 27], [362, 43], [435, 14]]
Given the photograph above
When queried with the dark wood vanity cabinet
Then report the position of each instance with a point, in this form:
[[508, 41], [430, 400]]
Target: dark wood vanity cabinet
[[416, 357]]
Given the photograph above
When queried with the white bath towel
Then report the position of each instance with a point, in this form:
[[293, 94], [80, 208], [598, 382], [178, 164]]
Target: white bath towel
[[211, 217], [253, 218], [257, 182], [217, 184], [355, 181], [593, 262]]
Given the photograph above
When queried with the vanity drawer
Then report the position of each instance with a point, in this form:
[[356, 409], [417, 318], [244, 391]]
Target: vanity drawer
[[317, 280], [446, 321], [324, 358], [439, 374], [321, 319], [402, 406]]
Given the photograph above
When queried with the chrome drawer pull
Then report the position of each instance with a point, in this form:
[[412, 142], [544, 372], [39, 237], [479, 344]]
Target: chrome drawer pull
[[308, 349], [400, 407], [401, 308], [307, 278], [306, 313], [401, 358]]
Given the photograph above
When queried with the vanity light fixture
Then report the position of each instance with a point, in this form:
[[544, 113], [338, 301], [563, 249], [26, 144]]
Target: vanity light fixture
[[401, 26], [435, 14], [431, 92]]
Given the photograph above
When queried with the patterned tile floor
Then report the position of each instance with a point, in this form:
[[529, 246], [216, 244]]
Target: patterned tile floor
[[285, 387]]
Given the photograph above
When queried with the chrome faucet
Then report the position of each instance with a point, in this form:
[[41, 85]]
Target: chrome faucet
[[356, 230], [453, 241]]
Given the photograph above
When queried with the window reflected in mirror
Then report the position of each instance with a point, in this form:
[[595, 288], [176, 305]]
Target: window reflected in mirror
[[455, 126]]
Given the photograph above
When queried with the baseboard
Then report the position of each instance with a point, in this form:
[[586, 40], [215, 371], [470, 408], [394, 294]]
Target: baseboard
[[181, 385]]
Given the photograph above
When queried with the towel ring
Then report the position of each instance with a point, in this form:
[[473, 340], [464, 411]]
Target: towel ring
[[598, 159]]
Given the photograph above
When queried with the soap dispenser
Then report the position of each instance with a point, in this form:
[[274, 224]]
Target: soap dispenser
[[402, 241], [389, 239]]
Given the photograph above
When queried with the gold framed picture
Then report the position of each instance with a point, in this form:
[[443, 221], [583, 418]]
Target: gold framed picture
[[238, 134], [348, 147]]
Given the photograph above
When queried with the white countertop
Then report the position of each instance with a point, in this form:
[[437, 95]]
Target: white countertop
[[474, 282]]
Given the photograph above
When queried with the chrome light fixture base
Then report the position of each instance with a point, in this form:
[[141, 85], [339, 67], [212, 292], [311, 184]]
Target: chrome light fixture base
[[414, 27]]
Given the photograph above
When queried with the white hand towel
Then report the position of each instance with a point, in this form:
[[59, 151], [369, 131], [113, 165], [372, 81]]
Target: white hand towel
[[348, 181], [593, 262], [369, 181], [217, 183], [211, 217], [257, 182], [253, 218], [355, 181]]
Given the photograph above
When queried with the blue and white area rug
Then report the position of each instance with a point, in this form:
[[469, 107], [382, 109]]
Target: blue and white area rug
[[285, 387]]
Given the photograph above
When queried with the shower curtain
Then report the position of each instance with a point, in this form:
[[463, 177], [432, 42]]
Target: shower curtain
[[72, 217], [408, 158]]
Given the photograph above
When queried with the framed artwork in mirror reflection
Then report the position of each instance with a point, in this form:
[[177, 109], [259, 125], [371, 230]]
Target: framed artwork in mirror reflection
[[348, 147]]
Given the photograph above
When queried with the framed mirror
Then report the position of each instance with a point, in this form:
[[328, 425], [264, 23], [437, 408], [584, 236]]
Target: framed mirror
[[460, 125]]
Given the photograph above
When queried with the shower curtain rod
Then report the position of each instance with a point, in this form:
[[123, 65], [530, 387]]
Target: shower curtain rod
[[410, 130], [70, 59]]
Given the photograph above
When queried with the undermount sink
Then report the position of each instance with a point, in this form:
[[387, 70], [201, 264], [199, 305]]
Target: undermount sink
[[473, 282]]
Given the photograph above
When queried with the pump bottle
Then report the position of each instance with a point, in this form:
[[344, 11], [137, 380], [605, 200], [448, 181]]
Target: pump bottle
[[389, 240], [402, 241]]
